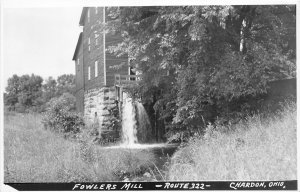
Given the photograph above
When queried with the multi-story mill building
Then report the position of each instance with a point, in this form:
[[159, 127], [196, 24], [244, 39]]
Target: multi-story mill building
[[95, 74]]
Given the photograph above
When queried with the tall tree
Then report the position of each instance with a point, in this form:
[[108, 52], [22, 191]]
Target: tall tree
[[12, 91], [49, 89], [194, 59], [24, 92], [65, 83]]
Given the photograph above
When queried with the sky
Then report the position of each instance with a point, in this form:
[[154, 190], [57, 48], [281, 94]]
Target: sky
[[39, 40], [39, 36]]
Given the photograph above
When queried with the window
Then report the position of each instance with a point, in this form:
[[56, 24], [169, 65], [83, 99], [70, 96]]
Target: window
[[96, 39], [88, 13], [89, 44], [89, 73], [96, 68], [78, 64]]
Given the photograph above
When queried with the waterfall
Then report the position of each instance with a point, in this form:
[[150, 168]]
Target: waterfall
[[143, 122], [129, 124], [135, 122]]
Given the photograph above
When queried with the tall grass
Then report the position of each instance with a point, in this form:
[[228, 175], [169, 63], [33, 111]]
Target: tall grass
[[33, 154], [256, 149]]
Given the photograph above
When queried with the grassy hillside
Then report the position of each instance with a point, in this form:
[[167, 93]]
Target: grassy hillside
[[256, 149], [32, 154]]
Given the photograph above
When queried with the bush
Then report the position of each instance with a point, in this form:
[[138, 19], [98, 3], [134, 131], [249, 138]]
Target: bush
[[61, 116]]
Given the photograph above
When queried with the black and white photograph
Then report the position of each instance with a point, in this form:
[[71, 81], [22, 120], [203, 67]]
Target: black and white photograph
[[148, 97]]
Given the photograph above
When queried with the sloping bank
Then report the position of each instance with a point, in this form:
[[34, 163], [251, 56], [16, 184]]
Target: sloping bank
[[256, 149]]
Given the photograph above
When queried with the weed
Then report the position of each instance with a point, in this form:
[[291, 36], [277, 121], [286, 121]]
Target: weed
[[255, 149], [33, 154]]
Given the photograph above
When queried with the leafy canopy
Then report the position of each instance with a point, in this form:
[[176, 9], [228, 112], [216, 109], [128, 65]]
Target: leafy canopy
[[195, 59]]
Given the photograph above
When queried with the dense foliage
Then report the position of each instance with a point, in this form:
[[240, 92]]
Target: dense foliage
[[29, 93], [61, 116], [194, 60], [23, 92]]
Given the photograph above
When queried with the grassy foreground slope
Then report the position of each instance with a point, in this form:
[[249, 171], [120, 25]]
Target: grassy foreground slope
[[256, 149], [32, 154]]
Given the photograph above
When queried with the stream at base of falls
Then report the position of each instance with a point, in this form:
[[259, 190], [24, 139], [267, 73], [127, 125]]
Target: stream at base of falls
[[135, 119], [162, 154]]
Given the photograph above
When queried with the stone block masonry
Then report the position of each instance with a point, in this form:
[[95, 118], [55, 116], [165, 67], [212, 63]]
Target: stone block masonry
[[97, 105]]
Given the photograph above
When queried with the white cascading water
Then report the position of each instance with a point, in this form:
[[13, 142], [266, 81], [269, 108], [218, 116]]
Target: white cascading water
[[143, 121], [129, 131], [129, 125]]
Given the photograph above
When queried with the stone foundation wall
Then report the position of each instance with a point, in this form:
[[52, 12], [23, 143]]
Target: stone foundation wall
[[97, 105]]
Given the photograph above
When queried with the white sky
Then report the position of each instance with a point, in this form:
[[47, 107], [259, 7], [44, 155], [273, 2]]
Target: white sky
[[39, 36], [39, 40]]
